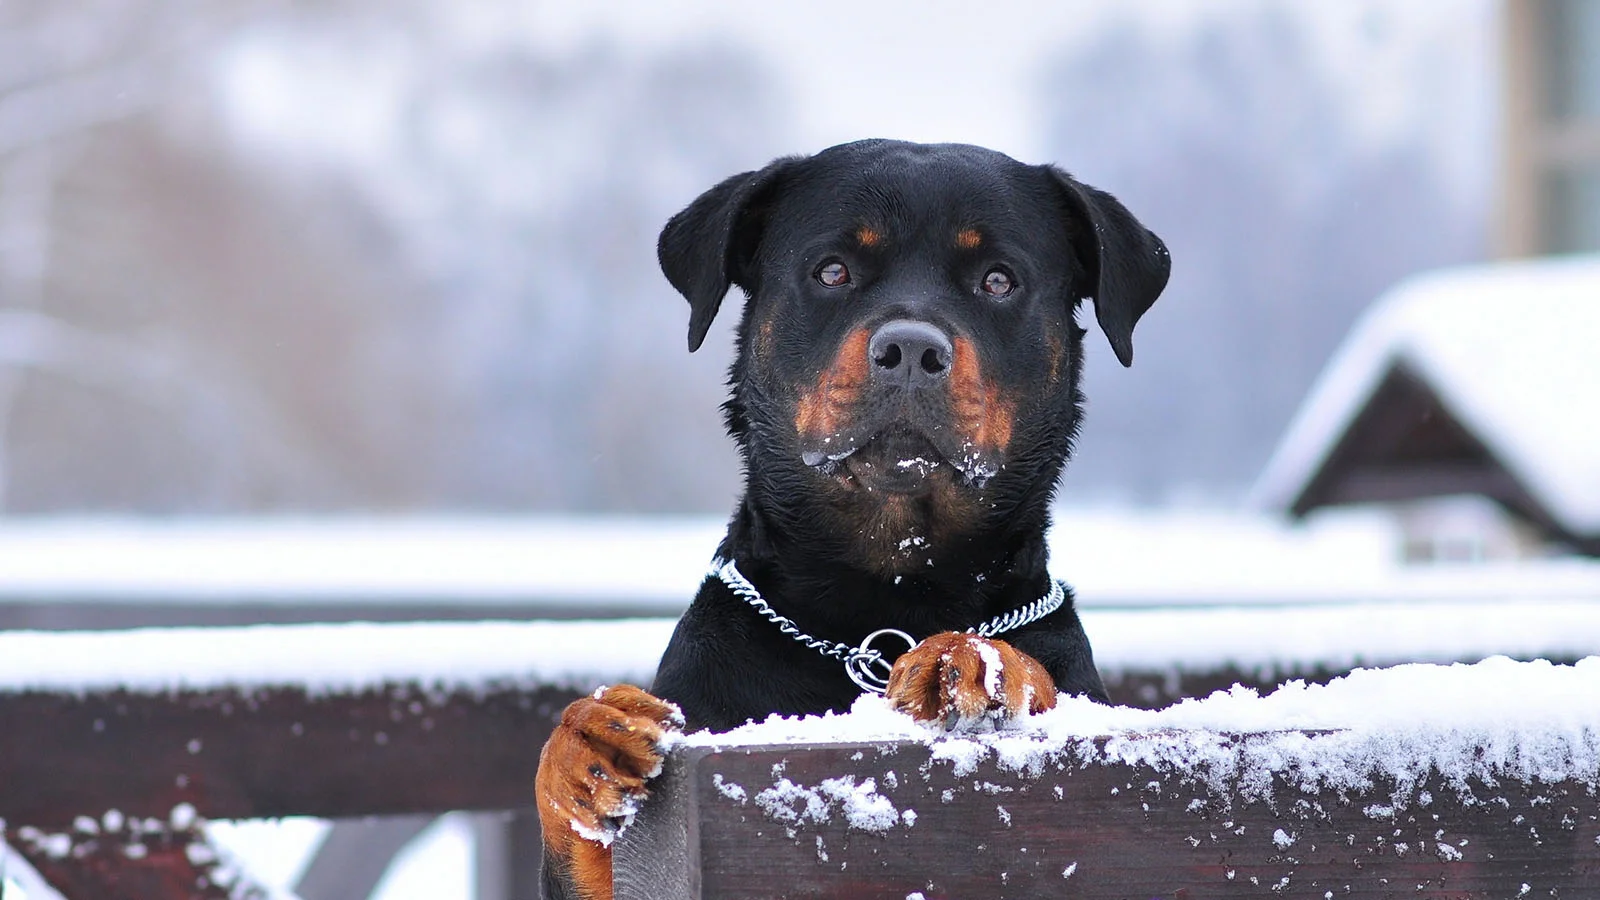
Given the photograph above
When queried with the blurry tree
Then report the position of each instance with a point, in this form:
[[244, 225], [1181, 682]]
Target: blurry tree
[[67, 71], [272, 255], [351, 256], [1284, 220]]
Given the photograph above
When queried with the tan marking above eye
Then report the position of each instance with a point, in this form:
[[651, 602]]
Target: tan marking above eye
[[969, 239], [867, 236]]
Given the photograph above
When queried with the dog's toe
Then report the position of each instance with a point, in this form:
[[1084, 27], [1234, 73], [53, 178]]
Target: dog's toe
[[593, 774], [963, 682]]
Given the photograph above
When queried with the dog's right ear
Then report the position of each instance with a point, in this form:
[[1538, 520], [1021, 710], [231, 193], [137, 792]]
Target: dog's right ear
[[712, 243], [1129, 264]]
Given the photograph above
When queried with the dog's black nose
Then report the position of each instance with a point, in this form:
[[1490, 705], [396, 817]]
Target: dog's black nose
[[909, 351]]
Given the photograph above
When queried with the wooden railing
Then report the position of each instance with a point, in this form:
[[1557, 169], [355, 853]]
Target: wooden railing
[[102, 787], [763, 822], [100, 792], [115, 745]]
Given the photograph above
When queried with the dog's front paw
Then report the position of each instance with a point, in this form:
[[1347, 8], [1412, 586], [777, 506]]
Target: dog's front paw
[[592, 776], [963, 682]]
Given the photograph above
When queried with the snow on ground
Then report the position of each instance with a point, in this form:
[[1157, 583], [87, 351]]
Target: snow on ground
[[18, 880], [1111, 558], [336, 658], [1339, 637], [1124, 558], [1510, 349], [580, 655], [274, 851], [660, 560], [437, 865], [1530, 721]]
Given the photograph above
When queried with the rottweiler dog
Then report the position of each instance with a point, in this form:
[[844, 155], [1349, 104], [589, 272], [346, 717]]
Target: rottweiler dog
[[904, 395]]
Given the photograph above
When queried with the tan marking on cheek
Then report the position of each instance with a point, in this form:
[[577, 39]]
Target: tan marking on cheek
[[1055, 359], [982, 414], [823, 410], [969, 239], [996, 430], [867, 236]]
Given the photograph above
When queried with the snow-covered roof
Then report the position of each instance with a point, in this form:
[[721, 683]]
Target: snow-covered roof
[[1511, 349]]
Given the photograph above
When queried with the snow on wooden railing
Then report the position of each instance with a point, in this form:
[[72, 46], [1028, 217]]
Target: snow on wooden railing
[[154, 730], [333, 659], [329, 720], [1420, 781], [113, 745]]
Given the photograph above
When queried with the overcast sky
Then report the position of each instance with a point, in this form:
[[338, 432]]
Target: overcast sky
[[963, 71]]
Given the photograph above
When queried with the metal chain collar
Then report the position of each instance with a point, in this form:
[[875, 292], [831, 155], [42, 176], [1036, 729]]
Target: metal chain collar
[[866, 666]]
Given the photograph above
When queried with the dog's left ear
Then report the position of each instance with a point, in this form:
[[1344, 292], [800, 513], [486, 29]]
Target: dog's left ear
[[712, 243], [1128, 264]]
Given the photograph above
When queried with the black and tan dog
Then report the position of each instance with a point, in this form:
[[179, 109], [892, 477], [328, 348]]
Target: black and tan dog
[[905, 394]]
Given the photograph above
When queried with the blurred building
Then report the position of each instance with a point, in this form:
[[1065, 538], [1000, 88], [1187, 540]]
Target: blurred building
[[1466, 400], [1459, 387], [1550, 199]]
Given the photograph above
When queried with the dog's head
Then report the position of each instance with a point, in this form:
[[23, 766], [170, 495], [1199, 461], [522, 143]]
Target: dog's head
[[908, 359]]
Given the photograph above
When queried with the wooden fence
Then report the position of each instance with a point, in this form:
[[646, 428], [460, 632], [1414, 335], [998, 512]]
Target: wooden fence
[[723, 825], [102, 790]]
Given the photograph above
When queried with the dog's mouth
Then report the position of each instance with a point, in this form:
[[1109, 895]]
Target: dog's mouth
[[900, 460]]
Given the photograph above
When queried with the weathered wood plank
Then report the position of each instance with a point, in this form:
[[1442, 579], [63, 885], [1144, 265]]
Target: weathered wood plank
[[283, 751], [263, 753], [1083, 827]]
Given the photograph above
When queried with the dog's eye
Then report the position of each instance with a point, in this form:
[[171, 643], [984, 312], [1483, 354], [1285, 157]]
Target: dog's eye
[[997, 283], [833, 274]]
